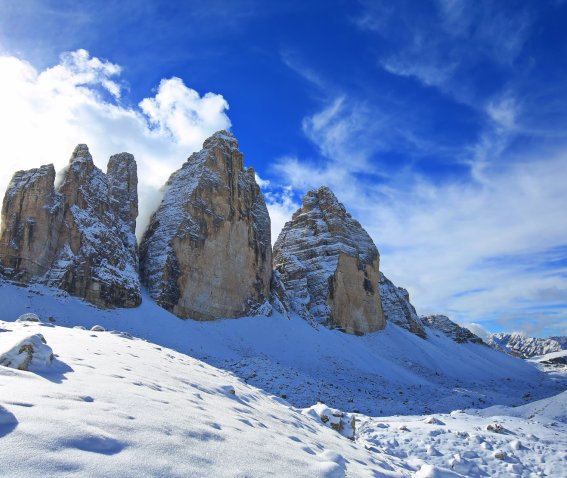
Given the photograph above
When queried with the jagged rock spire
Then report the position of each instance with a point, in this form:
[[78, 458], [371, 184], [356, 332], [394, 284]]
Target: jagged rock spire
[[330, 266], [77, 237], [207, 251]]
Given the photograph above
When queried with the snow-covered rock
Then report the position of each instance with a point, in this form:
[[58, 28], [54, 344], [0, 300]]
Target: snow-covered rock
[[28, 317], [342, 422], [329, 266], [451, 329], [78, 236], [30, 353], [398, 308], [207, 251]]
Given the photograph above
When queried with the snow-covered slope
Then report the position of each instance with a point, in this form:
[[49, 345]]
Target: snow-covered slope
[[388, 372], [113, 405], [109, 404], [526, 347]]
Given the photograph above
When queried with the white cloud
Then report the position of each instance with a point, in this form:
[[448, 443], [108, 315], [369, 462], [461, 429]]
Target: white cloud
[[281, 206], [46, 113]]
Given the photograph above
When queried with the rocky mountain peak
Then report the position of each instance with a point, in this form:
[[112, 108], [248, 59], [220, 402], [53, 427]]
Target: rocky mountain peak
[[81, 153], [207, 251], [325, 200], [222, 139], [77, 237], [329, 266], [451, 329]]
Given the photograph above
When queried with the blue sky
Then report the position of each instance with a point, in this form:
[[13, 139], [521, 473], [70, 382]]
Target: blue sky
[[440, 124]]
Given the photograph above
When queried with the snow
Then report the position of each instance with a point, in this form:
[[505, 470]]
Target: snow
[[123, 405], [154, 395]]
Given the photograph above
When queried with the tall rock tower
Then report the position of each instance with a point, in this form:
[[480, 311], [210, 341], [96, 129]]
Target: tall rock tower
[[329, 266], [207, 251], [78, 237]]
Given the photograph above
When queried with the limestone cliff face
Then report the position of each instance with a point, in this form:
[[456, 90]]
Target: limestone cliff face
[[398, 308], [329, 266], [78, 237], [207, 251]]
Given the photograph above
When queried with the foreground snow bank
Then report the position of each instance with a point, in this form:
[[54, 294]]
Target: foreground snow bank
[[526, 441], [124, 406]]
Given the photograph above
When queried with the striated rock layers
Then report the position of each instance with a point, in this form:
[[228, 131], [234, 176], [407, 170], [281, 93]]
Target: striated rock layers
[[329, 266], [398, 308], [207, 251], [452, 330], [79, 236]]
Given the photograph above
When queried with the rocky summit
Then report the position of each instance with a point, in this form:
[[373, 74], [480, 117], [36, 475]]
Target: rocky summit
[[78, 236], [207, 251], [330, 266], [452, 330]]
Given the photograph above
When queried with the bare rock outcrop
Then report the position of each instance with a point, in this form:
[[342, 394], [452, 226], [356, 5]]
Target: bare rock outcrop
[[78, 236], [398, 308], [207, 251], [329, 266], [452, 330]]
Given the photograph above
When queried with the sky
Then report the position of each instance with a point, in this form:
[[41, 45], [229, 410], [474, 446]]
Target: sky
[[441, 125]]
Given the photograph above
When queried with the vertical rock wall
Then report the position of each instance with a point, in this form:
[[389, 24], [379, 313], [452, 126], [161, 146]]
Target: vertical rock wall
[[207, 251], [330, 266], [78, 237]]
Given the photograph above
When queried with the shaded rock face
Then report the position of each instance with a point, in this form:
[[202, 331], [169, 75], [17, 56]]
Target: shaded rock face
[[207, 251], [452, 330], [329, 266], [398, 308], [79, 236]]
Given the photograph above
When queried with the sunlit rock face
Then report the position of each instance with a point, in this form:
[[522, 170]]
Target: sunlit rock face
[[207, 251], [329, 266], [78, 236]]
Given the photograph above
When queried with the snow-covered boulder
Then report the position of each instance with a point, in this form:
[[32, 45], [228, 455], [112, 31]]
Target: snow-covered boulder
[[342, 422], [28, 317], [207, 252], [329, 266], [30, 353], [78, 236]]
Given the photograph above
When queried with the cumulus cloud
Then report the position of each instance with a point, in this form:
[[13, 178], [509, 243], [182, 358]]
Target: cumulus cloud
[[46, 113]]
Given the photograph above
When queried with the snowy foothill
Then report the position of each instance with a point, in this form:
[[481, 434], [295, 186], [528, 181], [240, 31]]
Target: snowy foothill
[[143, 392]]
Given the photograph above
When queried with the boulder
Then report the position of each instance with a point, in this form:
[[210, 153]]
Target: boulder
[[78, 236], [330, 266], [207, 251]]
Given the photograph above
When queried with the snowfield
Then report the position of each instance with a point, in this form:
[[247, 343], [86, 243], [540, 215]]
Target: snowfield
[[157, 396]]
